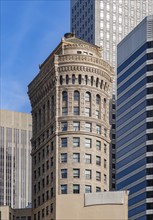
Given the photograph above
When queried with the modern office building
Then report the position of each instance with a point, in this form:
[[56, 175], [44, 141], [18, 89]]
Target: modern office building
[[135, 119], [106, 22], [15, 159], [71, 132]]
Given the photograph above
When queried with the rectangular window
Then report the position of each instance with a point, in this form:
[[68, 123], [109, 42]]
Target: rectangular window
[[64, 189], [76, 126], [98, 160], [98, 189], [76, 142], [88, 174], [64, 126], [87, 112], [98, 129], [76, 173], [76, 188], [76, 111], [64, 111], [87, 189], [43, 213], [88, 127], [98, 145], [64, 158], [76, 157], [98, 176], [97, 114], [88, 143], [88, 158], [105, 132], [63, 142], [64, 173]]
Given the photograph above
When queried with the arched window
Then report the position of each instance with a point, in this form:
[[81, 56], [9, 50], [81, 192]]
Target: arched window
[[48, 110], [73, 79], [79, 79], [64, 96], [104, 103], [53, 106], [97, 82], [35, 121], [76, 96], [86, 79], [88, 97], [39, 118], [98, 99], [61, 80], [101, 84], [91, 80], [67, 79], [44, 114]]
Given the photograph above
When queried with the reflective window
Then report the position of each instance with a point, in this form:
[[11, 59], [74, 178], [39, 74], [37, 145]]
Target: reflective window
[[76, 157], [87, 143], [64, 96], [88, 127], [64, 173], [88, 97], [64, 126], [64, 158], [76, 173], [63, 142], [76, 126], [64, 189], [88, 174], [87, 189], [76, 188], [76, 142], [98, 176], [88, 158], [98, 145], [76, 96]]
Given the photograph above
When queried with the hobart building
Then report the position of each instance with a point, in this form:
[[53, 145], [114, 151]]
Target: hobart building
[[71, 133]]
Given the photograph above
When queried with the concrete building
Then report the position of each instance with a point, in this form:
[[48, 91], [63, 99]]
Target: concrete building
[[15, 159], [91, 206], [70, 100], [106, 22], [135, 119], [7, 213]]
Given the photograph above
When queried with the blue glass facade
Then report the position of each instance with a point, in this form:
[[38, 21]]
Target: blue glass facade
[[133, 126]]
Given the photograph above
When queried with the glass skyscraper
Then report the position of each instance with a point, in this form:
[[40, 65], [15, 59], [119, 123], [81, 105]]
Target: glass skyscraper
[[134, 126], [15, 159], [106, 22]]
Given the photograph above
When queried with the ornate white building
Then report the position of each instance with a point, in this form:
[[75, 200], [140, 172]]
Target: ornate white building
[[71, 132]]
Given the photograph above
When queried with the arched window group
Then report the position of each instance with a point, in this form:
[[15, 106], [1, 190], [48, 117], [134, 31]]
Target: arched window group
[[99, 104], [86, 80]]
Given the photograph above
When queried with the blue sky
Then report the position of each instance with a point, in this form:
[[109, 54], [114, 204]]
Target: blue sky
[[30, 30]]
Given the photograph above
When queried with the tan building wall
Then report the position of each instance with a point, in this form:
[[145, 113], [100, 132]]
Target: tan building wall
[[7, 213], [91, 206]]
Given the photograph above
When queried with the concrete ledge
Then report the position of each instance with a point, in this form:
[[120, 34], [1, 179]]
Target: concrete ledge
[[105, 198]]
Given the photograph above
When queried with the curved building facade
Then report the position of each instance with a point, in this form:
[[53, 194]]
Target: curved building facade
[[70, 100]]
